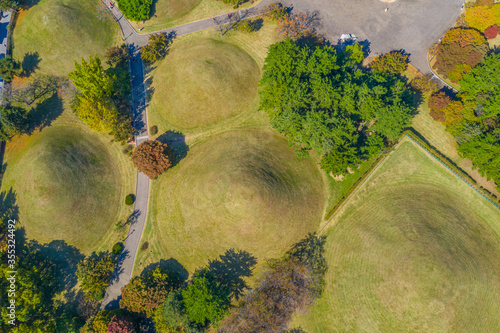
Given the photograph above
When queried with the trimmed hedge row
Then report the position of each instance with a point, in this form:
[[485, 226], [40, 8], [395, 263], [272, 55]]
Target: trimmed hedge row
[[415, 136], [451, 165]]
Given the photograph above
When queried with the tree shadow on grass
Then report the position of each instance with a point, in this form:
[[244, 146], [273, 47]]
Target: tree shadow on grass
[[177, 143], [45, 113], [66, 257], [231, 268], [170, 265], [30, 63]]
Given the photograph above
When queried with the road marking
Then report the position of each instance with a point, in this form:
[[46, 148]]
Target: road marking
[[142, 137]]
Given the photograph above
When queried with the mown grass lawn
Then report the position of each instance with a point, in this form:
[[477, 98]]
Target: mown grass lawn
[[57, 32], [414, 250], [172, 13], [70, 184], [242, 189], [239, 186]]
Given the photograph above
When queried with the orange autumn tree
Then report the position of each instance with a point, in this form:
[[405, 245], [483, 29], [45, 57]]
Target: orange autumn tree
[[152, 158]]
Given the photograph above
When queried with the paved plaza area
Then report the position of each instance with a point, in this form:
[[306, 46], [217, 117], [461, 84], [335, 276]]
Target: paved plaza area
[[411, 25]]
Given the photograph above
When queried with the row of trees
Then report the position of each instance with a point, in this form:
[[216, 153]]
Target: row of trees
[[322, 100], [103, 99], [217, 296], [473, 117]]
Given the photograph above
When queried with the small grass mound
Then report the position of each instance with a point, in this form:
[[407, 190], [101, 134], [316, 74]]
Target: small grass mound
[[203, 82], [68, 186], [415, 250], [62, 31], [242, 189]]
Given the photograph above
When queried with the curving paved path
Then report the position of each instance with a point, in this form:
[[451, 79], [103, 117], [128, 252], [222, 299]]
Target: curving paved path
[[124, 269], [411, 25]]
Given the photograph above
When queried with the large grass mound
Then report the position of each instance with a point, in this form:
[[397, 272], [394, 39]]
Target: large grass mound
[[62, 31], [415, 250], [203, 82], [242, 189], [69, 185]]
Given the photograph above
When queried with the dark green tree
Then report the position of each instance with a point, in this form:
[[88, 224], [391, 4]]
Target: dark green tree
[[156, 48], [484, 152], [480, 87], [136, 10], [10, 4], [13, 121], [321, 100], [9, 68], [204, 300], [94, 273]]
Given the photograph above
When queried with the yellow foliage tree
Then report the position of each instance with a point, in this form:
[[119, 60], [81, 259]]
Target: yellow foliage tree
[[480, 17], [99, 115]]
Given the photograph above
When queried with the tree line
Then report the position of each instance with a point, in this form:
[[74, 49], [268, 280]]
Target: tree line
[[323, 100]]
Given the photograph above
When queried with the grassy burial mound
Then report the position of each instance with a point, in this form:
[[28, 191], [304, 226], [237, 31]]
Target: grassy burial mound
[[242, 189], [415, 250], [69, 185], [54, 33], [201, 83]]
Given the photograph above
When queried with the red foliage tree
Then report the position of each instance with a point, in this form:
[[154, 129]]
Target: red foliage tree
[[438, 101], [294, 25], [152, 158], [491, 32], [145, 294], [120, 325]]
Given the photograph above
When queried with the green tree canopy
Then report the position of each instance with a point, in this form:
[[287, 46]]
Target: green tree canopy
[[94, 273], [322, 100], [484, 152], [204, 299], [136, 10], [481, 86], [9, 68], [156, 48]]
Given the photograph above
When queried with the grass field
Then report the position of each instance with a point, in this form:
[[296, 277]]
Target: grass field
[[70, 184], [203, 82], [171, 13], [414, 250], [242, 189], [57, 32]]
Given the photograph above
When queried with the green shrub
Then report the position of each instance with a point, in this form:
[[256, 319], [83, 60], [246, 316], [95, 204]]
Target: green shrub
[[128, 150], [117, 248], [247, 26], [129, 199], [144, 246], [153, 130], [135, 10]]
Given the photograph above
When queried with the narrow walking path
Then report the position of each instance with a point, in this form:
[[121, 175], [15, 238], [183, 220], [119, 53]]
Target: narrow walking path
[[124, 269]]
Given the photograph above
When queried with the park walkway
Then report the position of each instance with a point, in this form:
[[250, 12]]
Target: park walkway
[[124, 269]]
